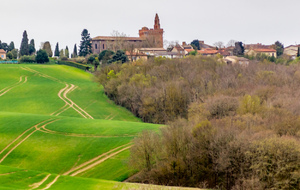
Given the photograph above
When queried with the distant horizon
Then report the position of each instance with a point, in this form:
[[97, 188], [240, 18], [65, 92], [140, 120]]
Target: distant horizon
[[249, 22]]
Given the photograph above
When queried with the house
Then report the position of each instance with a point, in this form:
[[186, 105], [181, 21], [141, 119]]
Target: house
[[179, 49], [232, 60], [205, 46], [291, 51], [2, 54], [267, 52], [208, 52], [134, 56], [150, 51]]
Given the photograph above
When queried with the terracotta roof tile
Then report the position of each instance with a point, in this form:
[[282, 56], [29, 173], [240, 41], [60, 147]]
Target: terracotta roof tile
[[265, 50], [2, 51]]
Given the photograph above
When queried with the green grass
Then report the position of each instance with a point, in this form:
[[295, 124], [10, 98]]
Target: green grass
[[39, 94], [118, 164], [24, 179]]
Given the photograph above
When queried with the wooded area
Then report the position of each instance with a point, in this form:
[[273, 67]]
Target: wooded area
[[229, 126]]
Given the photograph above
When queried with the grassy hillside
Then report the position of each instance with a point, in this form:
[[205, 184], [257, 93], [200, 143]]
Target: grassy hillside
[[39, 93], [15, 178], [54, 119]]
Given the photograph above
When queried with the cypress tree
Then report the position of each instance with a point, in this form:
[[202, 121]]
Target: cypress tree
[[298, 52], [31, 47], [24, 49], [75, 51], [67, 52], [85, 47], [56, 52], [11, 46]]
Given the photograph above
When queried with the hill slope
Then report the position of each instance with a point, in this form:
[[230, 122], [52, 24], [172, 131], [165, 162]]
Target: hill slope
[[56, 120]]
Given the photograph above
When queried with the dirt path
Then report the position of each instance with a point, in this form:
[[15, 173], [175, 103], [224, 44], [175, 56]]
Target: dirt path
[[37, 185], [51, 183], [36, 129], [99, 161], [7, 89], [95, 159]]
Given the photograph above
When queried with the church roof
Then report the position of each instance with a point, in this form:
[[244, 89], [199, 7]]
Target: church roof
[[105, 38]]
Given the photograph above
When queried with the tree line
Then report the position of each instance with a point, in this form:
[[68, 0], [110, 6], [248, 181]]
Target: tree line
[[228, 126]]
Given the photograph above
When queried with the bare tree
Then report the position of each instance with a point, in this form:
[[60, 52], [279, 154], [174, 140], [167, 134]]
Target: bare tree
[[219, 44], [231, 43]]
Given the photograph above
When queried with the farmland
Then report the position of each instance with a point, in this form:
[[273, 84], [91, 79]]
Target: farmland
[[58, 130]]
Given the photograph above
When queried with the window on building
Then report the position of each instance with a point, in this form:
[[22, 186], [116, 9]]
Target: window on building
[[103, 46], [96, 46]]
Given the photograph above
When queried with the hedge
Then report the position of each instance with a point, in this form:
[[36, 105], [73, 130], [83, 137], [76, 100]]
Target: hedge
[[74, 64]]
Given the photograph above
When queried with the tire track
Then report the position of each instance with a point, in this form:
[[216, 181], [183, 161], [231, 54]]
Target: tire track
[[42, 74], [99, 161], [21, 136], [45, 130], [51, 183], [67, 100], [94, 160], [7, 89], [36, 129], [37, 185]]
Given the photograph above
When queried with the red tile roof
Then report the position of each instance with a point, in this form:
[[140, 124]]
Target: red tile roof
[[265, 50], [208, 51], [2, 51]]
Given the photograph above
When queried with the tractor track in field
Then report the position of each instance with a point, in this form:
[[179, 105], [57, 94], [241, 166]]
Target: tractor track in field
[[38, 184], [7, 89], [51, 183], [64, 91], [42, 74], [97, 160], [49, 121], [45, 130]]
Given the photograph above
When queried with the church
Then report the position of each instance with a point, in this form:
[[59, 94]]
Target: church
[[150, 38]]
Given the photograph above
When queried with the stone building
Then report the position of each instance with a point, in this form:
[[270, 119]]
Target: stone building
[[149, 38]]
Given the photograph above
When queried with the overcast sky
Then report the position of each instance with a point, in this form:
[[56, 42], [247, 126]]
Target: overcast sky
[[249, 21]]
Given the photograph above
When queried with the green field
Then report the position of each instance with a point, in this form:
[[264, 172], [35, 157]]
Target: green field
[[55, 122]]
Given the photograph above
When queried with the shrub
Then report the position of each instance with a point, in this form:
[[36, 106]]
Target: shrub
[[222, 106], [27, 59], [42, 56]]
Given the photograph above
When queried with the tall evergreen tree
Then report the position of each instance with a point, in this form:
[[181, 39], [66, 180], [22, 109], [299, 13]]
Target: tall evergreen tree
[[196, 44], [75, 51], [24, 49], [279, 48], [67, 52], [85, 47], [298, 52], [238, 49], [11, 46], [56, 52], [47, 48], [31, 47]]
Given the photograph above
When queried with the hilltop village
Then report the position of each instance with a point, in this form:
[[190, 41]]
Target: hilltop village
[[148, 45]]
